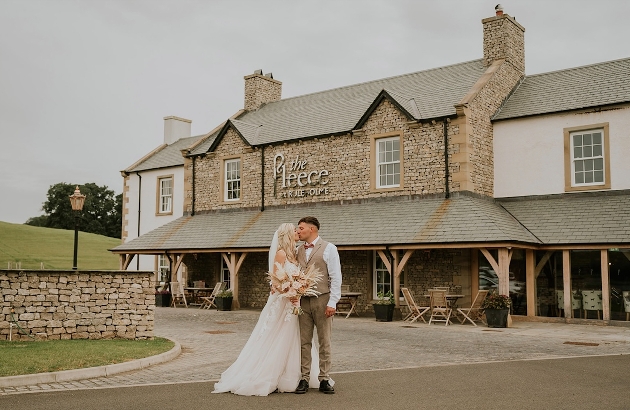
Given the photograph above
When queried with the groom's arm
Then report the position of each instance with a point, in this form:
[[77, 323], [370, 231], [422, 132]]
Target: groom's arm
[[334, 273]]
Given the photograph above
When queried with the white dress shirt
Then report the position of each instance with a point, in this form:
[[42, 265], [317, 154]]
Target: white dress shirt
[[331, 257]]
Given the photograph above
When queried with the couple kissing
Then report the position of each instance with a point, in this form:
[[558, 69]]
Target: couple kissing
[[289, 352]]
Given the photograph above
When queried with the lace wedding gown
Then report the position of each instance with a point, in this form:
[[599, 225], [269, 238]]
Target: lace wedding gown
[[271, 357]]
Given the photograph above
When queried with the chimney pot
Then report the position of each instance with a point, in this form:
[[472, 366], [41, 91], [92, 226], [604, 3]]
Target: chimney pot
[[498, 9]]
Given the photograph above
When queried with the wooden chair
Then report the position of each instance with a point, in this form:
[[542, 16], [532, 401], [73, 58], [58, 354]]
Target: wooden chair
[[177, 294], [440, 310], [474, 312], [415, 312], [208, 301], [345, 304]]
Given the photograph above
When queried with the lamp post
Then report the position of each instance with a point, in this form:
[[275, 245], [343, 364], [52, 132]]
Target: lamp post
[[76, 200]]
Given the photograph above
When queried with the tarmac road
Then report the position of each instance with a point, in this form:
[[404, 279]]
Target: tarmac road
[[566, 383]]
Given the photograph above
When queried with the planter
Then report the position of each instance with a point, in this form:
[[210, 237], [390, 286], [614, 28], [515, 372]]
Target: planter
[[163, 299], [223, 303], [384, 313], [497, 317]]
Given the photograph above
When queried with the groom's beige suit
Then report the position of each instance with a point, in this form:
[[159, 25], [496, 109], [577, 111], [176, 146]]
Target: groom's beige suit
[[315, 311]]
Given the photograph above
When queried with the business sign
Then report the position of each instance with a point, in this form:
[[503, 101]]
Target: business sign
[[297, 180]]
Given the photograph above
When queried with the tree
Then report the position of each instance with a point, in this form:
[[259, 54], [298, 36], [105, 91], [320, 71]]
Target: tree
[[102, 211]]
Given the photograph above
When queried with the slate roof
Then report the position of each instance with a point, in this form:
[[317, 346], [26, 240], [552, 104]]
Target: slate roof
[[169, 156], [575, 88], [582, 218], [376, 222], [425, 95]]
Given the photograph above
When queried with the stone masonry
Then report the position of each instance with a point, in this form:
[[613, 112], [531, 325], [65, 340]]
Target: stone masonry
[[77, 305], [261, 89]]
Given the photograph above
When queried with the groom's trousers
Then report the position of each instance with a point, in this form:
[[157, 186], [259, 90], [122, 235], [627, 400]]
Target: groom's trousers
[[315, 316]]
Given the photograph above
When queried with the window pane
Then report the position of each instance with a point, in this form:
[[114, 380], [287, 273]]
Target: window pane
[[587, 140], [588, 165], [588, 151], [577, 152], [588, 177], [579, 166], [597, 150], [579, 177], [381, 156], [388, 156], [598, 176], [577, 140], [599, 164], [597, 138]]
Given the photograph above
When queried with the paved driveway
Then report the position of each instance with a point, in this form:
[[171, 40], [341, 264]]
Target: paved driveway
[[211, 341]]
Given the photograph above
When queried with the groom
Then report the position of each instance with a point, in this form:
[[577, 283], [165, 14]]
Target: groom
[[318, 311]]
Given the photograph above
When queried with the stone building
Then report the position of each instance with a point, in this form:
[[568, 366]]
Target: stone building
[[401, 172]]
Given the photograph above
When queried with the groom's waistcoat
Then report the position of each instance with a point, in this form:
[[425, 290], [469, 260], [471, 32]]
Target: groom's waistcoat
[[317, 260]]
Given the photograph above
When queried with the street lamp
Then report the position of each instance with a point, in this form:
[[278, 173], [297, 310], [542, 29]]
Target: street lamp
[[76, 200]]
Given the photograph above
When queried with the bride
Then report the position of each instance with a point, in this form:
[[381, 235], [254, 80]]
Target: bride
[[270, 360]]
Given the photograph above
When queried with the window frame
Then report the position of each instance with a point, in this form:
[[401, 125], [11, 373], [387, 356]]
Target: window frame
[[569, 171], [224, 184], [376, 259], [159, 195], [375, 164]]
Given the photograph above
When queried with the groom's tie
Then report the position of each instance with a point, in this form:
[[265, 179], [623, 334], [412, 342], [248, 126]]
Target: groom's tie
[[308, 245]]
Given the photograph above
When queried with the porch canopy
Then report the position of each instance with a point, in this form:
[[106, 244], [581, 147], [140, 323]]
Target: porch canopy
[[574, 221]]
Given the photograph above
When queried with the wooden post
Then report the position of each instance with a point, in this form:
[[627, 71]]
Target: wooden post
[[605, 284], [566, 279], [530, 281]]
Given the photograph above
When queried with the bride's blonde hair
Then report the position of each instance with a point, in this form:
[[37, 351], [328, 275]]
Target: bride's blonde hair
[[286, 240]]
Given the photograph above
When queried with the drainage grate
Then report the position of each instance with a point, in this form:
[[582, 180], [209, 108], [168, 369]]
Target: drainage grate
[[491, 330], [581, 343], [218, 332], [410, 327], [225, 323]]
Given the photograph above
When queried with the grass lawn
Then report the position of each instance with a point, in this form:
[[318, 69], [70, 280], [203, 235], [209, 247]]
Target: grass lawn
[[29, 357], [32, 245]]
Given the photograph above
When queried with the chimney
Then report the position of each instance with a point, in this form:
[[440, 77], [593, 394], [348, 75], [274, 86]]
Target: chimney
[[503, 38], [175, 128], [261, 89]]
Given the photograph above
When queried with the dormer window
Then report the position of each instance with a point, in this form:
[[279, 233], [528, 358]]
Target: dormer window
[[232, 180]]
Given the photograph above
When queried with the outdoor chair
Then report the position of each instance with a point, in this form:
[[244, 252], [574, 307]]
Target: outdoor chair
[[208, 301], [415, 312], [440, 310], [177, 294], [474, 313], [592, 300]]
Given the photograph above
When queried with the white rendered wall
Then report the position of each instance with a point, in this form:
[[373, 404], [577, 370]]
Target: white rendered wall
[[529, 152], [148, 203]]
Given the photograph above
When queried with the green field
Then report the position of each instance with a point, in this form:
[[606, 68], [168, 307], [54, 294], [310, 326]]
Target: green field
[[32, 245]]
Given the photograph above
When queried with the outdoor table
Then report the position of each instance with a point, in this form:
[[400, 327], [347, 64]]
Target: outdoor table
[[352, 297], [197, 293], [452, 301]]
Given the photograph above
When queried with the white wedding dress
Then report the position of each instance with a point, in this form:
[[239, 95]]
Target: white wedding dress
[[270, 359]]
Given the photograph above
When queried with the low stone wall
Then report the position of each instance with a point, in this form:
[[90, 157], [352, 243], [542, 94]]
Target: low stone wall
[[77, 304]]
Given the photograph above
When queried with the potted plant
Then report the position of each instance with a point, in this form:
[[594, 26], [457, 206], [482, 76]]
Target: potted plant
[[384, 306], [496, 307], [162, 296], [223, 300]]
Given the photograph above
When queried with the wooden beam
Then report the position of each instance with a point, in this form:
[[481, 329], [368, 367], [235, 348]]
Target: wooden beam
[[490, 259], [396, 278], [385, 260], [178, 261], [504, 272], [404, 261], [542, 262], [128, 258]]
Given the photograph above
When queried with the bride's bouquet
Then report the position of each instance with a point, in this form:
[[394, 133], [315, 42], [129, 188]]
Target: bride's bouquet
[[295, 284]]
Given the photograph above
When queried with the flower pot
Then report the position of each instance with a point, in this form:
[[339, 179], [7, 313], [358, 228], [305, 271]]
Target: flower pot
[[163, 299], [497, 317], [224, 303], [384, 313]]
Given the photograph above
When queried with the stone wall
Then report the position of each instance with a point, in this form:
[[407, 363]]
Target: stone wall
[[77, 304]]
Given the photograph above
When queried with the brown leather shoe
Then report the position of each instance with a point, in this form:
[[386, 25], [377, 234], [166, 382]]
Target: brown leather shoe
[[325, 387], [302, 387]]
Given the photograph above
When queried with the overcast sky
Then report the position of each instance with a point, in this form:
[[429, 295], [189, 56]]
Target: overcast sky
[[85, 85]]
